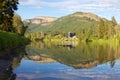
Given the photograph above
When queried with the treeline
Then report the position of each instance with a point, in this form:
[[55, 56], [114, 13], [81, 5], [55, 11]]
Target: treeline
[[108, 29], [35, 36], [105, 30]]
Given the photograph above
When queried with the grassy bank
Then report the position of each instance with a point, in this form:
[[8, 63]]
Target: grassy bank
[[11, 40]]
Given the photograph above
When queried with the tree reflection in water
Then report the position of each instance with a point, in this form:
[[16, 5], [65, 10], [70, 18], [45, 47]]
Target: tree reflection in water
[[9, 60], [7, 74], [77, 55]]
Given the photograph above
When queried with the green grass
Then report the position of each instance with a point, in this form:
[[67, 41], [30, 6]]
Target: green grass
[[11, 40]]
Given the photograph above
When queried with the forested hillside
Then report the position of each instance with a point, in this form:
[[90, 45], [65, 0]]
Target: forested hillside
[[84, 25]]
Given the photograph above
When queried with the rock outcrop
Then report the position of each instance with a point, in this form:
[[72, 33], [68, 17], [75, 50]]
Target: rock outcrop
[[88, 15], [40, 20]]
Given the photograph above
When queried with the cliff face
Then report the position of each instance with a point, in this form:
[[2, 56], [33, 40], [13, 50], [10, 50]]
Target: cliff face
[[88, 15], [42, 20]]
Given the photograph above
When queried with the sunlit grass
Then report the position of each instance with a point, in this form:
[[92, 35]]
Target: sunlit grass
[[11, 40]]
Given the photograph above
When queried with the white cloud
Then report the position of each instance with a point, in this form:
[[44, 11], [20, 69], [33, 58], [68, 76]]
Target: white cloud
[[28, 2], [75, 5], [50, 4]]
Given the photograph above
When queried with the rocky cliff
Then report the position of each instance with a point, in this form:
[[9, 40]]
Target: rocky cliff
[[87, 15], [42, 20]]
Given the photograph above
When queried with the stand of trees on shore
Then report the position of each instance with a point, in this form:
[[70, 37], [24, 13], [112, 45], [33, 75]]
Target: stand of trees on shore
[[11, 26]]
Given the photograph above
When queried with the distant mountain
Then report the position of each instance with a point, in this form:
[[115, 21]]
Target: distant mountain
[[40, 20], [70, 23], [73, 23]]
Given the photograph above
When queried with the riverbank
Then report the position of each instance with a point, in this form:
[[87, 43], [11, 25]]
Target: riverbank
[[10, 40]]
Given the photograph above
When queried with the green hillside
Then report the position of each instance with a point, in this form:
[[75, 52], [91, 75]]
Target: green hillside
[[86, 26], [33, 28], [70, 23]]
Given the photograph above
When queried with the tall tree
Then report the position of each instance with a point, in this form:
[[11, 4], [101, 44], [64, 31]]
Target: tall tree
[[114, 24], [7, 8], [101, 29], [114, 20], [18, 25]]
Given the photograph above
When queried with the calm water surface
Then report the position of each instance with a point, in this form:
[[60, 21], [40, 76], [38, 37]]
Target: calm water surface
[[69, 61]]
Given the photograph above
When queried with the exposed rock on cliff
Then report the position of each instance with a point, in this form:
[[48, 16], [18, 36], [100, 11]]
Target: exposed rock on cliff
[[88, 15], [42, 20]]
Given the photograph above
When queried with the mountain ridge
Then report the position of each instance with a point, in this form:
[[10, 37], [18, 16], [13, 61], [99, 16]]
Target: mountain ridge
[[47, 19], [87, 14], [70, 23]]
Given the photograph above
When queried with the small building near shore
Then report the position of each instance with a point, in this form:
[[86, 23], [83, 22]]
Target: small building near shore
[[71, 35]]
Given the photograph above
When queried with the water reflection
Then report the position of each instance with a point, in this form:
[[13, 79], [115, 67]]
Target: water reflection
[[62, 61], [9, 60], [79, 56], [7, 74], [53, 61], [68, 44]]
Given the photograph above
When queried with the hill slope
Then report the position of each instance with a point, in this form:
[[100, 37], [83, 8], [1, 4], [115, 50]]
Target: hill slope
[[71, 23], [38, 21]]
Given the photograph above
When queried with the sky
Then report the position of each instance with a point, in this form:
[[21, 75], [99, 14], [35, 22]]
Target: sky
[[28, 9]]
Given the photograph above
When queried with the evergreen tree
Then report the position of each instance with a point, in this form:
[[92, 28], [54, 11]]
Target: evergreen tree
[[17, 23], [114, 20], [114, 24], [101, 29]]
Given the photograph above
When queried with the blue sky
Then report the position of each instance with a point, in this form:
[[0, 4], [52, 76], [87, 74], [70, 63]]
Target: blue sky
[[56, 8]]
